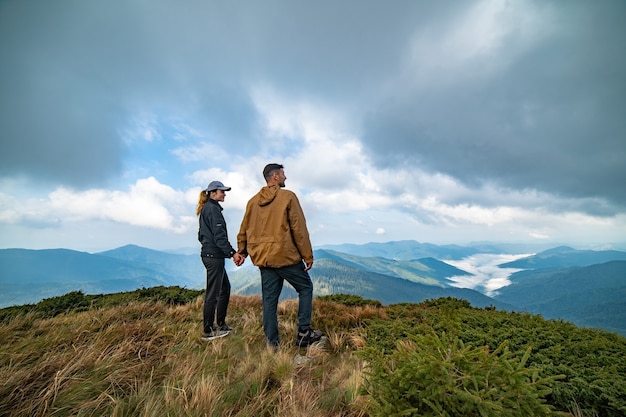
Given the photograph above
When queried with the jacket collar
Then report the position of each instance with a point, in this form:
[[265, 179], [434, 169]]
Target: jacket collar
[[215, 202]]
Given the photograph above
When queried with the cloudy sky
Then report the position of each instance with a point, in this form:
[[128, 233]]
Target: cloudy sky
[[441, 122]]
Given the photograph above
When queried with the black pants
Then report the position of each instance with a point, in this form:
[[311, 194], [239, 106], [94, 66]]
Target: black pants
[[217, 294], [272, 284]]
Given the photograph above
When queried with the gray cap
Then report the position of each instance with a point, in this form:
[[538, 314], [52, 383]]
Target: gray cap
[[216, 185]]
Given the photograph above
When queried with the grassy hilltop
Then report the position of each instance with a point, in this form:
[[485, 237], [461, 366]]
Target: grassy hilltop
[[139, 354]]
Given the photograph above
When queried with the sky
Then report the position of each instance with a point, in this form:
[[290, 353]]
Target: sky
[[441, 122]]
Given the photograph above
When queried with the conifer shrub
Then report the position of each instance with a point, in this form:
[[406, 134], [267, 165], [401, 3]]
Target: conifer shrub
[[350, 300], [72, 301], [428, 375], [169, 295], [588, 366], [76, 301]]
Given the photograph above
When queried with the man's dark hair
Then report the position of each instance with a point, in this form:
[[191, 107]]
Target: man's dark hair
[[269, 169]]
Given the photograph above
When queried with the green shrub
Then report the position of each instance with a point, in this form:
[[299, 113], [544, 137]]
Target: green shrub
[[72, 301], [168, 295], [441, 376], [448, 302], [592, 361], [77, 301], [350, 300]]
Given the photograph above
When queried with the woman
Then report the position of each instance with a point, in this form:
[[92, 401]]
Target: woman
[[213, 236]]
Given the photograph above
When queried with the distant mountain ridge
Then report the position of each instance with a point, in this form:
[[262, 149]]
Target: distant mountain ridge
[[28, 276], [589, 294], [412, 249], [427, 271], [183, 267], [564, 256], [404, 250], [331, 276]]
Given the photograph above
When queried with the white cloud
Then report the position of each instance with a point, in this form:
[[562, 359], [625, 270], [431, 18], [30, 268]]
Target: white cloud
[[147, 204], [319, 145], [472, 213], [243, 181], [14, 210], [538, 235], [473, 44], [144, 126], [446, 121], [203, 151]]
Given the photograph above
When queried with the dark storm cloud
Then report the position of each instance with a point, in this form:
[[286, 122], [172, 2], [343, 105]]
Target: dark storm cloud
[[80, 73], [545, 114], [552, 119], [76, 75], [51, 126]]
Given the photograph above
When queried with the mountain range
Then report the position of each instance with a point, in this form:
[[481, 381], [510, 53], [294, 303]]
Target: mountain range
[[564, 256], [585, 287], [28, 276], [590, 296], [381, 279]]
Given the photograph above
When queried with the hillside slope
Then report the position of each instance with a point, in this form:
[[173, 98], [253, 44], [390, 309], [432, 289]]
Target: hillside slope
[[333, 277], [564, 256], [428, 271], [404, 250], [182, 267], [134, 354], [28, 276], [593, 296]]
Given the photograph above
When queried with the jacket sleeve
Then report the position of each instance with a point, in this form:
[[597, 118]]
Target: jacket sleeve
[[242, 236], [220, 234], [299, 232]]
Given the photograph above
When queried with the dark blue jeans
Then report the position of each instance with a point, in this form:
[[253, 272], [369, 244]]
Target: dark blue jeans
[[272, 284], [217, 294]]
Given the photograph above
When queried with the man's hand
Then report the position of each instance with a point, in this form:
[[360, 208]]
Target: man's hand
[[308, 266], [238, 259]]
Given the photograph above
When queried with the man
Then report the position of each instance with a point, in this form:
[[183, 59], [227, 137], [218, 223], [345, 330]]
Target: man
[[274, 234]]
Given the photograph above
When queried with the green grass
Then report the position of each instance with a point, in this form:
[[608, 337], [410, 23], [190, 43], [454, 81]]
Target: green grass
[[140, 354]]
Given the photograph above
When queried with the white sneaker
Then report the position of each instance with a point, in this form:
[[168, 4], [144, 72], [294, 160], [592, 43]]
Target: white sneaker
[[214, 334]]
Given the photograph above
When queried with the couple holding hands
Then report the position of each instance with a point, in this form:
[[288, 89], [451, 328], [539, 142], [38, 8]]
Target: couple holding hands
[[273, 233]]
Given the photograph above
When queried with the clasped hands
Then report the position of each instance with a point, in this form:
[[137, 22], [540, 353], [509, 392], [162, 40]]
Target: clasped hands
[[238, 259]]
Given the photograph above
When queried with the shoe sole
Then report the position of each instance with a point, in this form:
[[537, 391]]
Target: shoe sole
[[221, 334]]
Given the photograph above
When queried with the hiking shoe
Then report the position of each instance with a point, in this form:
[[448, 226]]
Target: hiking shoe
[[214, 334], [226, 328], [308, 337]]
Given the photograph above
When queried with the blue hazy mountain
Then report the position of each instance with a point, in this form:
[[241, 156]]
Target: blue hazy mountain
[[335, 272], [332, 276], [404, 249], [182, 267], [411, 249], [564, 256], [428, 271], [398, 271], [589, 296], [28, 276]]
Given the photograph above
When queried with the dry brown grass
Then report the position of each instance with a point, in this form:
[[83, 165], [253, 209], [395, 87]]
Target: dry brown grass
[[147, 359]]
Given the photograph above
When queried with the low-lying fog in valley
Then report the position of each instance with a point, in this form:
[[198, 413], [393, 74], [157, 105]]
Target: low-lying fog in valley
[[487, 276]]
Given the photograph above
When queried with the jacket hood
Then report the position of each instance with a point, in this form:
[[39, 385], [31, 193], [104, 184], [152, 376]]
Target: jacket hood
[[267, 195]]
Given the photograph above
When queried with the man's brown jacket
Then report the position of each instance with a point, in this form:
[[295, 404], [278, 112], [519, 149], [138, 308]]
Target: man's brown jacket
[[273, 230]]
